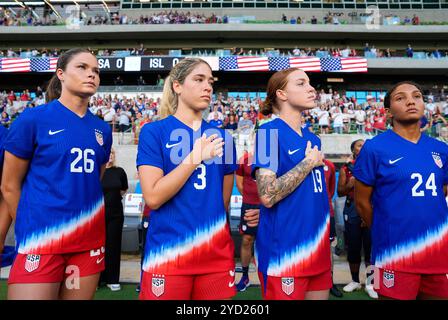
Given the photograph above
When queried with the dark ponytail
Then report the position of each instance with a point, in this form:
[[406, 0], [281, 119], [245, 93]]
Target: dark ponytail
[[54, 87]]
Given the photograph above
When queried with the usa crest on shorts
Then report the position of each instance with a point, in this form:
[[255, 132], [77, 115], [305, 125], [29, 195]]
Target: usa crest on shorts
[[288, 285], [388, 279], [99, 137], [437, 159], [158, 285], [32, 262]]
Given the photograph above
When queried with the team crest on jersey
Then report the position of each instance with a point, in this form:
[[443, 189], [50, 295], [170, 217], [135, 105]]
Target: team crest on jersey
[[158, 285], [99, 137], [32, 262], [288, 285], [388, 279], [437, 159]]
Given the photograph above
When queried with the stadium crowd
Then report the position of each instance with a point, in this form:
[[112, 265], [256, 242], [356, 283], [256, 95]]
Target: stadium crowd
[[28, 17], [368, 51], [335, 113]]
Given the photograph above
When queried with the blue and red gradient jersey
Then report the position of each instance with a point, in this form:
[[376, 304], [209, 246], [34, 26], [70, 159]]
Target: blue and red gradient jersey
[[410, 213], [61, 206]]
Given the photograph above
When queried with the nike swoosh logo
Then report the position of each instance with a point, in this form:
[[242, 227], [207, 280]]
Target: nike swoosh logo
[[54, 132], [98, 261], [396, 160], [168, 146], [292, 152], [231, 284]]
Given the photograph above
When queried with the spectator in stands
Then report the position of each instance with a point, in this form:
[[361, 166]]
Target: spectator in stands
[[415, 20], [160, 81], [211, 116], [409, 51], [5, 120], [109, 115], [251, 206], [379, 122], [232, 124], [284, 18], [118, 81], [253, 115], [360, 119], [337, 118], [141, 81], [431, 107], [436, 54], [115, 185], [356, 231], [99, 114], [245, 129], [324, 120], [216, 122], [313, 20], [366, 48], [444, 107]]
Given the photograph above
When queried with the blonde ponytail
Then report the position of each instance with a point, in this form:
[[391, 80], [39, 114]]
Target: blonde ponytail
[[168, 105]]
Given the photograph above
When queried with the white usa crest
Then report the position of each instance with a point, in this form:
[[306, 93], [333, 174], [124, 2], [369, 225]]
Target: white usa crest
[[32, 262], [388, 279], [99, 137], [288, 285], [437, 159], [158, 286]]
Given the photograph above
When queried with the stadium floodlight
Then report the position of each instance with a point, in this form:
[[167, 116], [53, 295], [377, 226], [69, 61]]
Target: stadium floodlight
[[20, 3], [144, 0], [52, 8], [34, 3]]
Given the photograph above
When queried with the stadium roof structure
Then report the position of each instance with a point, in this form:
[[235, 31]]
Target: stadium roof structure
[[226, 33]]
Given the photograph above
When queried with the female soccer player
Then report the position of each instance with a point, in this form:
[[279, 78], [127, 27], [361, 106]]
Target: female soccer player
[[292, 246], [54, 157], [401, 177], [186, 171]]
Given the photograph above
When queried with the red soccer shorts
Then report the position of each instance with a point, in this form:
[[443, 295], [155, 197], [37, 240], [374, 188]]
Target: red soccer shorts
[[407, 286], [293, 288], [211, 286], [50, 268]]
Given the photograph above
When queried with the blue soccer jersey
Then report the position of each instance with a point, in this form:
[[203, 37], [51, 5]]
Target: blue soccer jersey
[[293, 235], [189, 234], [61, 207], [410, 214]]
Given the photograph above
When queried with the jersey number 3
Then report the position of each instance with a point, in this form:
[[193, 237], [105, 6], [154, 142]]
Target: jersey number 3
[[201, 176], [87, 165]]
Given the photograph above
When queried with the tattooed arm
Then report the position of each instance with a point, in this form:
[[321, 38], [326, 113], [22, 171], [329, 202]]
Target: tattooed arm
[[272, 189]]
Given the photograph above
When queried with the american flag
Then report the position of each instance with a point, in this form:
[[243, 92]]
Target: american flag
[[343, 64], [241, 63], [14, 65], [305, 63], [278, 63], [43, 64]]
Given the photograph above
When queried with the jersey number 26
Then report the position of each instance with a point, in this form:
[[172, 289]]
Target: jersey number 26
[[87, 165]]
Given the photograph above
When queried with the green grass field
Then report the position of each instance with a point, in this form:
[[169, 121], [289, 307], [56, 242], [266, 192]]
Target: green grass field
[[127, 292]]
